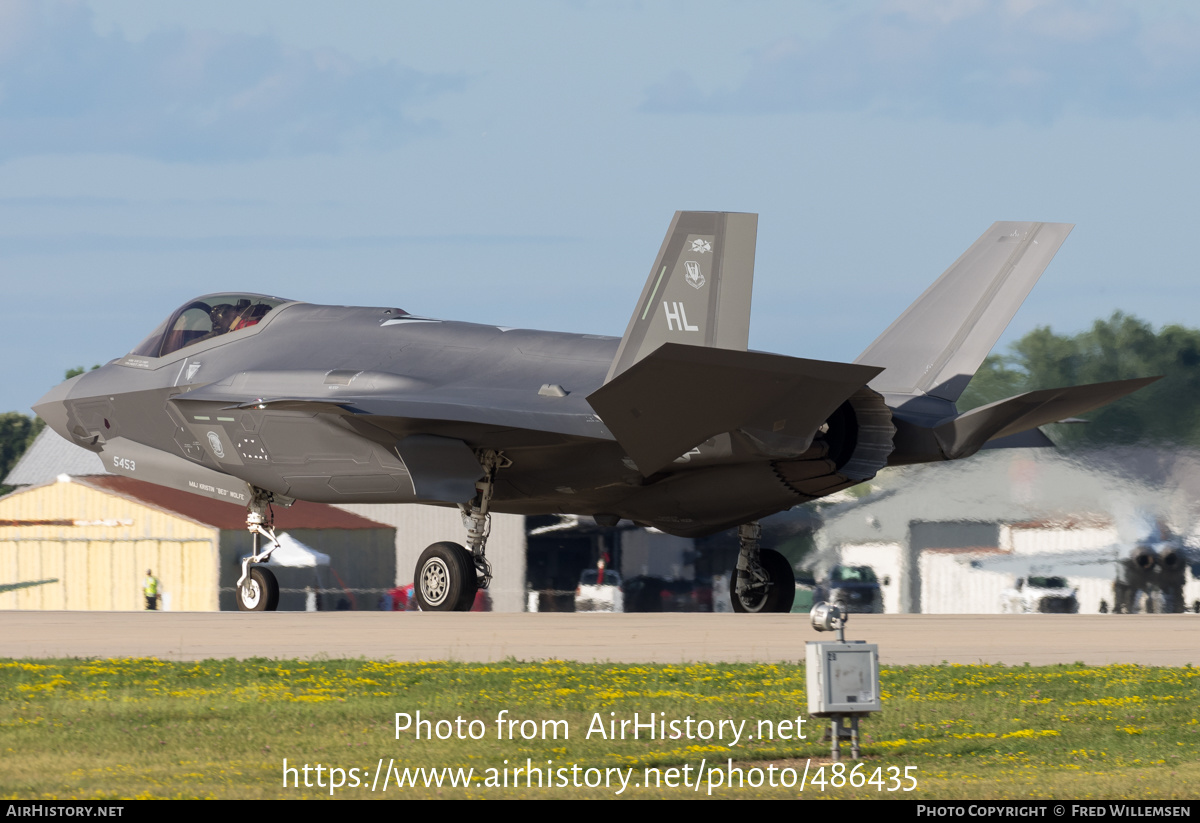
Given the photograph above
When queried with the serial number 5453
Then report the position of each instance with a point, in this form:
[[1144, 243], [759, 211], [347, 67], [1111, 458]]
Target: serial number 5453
[[124, 463]]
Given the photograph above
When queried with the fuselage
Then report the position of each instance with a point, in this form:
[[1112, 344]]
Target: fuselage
[[345, 404]]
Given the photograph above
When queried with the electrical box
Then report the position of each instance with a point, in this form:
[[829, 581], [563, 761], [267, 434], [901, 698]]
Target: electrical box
[[843, 677]]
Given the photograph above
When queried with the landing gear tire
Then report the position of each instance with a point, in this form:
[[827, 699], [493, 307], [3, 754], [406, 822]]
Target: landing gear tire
[[445, 579], [774, 598], [260, 592]]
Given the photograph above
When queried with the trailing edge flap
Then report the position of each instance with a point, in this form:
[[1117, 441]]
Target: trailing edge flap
[[679, 396], [939, 341], [698, 291], [964, 435]]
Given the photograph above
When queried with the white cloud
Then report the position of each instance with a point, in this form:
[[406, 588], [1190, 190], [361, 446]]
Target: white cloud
[[972, 60], [189, 95]]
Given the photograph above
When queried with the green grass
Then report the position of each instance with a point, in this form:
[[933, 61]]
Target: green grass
[[149, 728]]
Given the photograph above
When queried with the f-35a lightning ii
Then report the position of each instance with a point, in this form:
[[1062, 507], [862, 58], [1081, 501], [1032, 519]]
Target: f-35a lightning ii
[[1147, 575], [260, 400]]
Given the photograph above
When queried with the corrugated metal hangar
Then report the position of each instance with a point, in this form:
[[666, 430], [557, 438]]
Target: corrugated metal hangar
[[108, 530], [96, 536]]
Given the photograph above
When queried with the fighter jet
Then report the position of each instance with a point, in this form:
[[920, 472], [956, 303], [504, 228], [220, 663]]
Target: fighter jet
[[263, 400], [1152, 577], [1147, 576]]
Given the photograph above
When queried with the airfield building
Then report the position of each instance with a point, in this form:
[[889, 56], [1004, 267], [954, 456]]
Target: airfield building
[[954, 539], [411, 527], [95, 536]]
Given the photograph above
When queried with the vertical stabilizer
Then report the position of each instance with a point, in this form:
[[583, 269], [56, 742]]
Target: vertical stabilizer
[[698, 292], [941, 339]]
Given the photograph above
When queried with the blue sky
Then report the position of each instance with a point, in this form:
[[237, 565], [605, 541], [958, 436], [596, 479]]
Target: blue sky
[[518, 163]]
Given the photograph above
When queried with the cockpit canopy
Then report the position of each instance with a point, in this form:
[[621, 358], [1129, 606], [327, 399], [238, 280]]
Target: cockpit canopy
[[206, 318]]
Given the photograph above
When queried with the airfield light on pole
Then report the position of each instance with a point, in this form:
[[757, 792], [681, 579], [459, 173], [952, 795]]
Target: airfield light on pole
[[842, 676]]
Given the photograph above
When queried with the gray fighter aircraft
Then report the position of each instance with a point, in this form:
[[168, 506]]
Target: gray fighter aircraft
[[1148, 576], [1153, 575], [260, 400]]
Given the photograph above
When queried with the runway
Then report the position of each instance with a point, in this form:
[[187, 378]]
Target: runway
[[1151, 640]]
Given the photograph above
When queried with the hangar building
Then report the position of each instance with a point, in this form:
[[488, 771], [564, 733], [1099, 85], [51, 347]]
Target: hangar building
[[97, 535], [413, 528], [928, 531]]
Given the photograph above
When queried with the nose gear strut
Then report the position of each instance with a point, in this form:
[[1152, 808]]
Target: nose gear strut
[[257, 589]]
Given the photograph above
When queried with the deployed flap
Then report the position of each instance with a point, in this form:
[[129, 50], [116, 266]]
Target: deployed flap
[[679, 396], [966, 434], [940, 340], [698, 292]]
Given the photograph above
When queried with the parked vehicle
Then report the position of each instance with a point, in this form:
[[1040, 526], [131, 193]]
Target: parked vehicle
[[855, 589], [599, 590], [1040, 595]]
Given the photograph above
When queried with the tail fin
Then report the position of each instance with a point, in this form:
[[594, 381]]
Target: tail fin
[[935, 347], [698, 292]]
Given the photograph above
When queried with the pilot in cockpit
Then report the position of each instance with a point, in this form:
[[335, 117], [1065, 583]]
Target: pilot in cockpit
[[207, 318], [223, 316]]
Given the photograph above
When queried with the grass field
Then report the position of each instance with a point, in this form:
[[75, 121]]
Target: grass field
[[130, 728]]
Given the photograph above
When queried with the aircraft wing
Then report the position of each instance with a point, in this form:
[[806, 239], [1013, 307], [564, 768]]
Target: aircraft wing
[[1101, 563]]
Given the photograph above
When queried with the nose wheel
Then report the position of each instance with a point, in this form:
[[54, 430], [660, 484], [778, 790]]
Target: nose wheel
[[259, 592]]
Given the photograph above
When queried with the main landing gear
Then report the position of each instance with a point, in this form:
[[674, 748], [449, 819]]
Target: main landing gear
[[763, 580], [257, 590], [448, 575]]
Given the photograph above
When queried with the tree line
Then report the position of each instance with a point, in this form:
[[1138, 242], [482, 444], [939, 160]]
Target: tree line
[[1118, 348]]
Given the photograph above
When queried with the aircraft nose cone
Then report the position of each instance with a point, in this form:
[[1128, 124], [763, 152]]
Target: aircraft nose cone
[[53, 407]]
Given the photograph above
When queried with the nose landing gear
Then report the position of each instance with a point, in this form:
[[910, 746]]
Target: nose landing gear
[[257, 590]]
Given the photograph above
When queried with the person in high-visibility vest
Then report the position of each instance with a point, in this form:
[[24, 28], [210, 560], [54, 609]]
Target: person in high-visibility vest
[[150, 589]]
